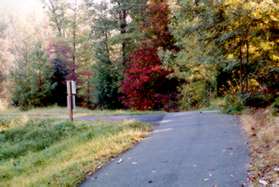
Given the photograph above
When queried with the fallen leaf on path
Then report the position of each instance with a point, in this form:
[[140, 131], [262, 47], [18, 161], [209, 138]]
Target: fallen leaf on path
[[263, 182], [120, 161]]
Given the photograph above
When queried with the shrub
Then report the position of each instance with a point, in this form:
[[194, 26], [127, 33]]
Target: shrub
[[275, 106], [233, 104], [193, 96], [256, 100]]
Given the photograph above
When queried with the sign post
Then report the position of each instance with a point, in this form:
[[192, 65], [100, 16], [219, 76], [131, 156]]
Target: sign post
[[71, 100]]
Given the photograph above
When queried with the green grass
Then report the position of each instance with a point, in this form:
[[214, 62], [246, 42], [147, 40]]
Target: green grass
[[60, 153], [55, 112]]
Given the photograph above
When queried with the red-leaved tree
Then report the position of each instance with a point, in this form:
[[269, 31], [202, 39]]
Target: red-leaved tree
[[145, 84]]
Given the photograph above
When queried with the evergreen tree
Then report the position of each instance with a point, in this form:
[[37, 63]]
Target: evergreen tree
[[115, 35], [106, 70], [32, 79]]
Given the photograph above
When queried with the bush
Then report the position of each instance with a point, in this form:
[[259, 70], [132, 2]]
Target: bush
[[193, 96], [233, 104], [257, 100], [275, 106]]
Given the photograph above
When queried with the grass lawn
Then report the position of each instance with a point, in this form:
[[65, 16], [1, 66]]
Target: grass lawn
[[60, 153], [62, 113]]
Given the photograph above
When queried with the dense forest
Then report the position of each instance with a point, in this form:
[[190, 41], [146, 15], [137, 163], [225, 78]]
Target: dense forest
[[144, 54]]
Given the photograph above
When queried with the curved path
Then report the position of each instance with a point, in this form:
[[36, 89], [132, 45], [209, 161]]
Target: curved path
[[189, 149]]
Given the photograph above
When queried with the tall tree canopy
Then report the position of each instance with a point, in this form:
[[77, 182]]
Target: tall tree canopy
[[146, 84], [237, 39]]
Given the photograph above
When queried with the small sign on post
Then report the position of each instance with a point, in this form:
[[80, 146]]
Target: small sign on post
[[71, 100]]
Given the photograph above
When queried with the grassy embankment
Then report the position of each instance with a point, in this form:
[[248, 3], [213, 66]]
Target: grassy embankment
[[54, 152], [62, 113], [263, 132]]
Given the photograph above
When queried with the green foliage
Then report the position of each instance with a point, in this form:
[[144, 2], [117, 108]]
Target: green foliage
[[236, 103], [57, 13], [228, 38], [233, 104], [194, 95], [256, 99], [34, 136], [32, 79], [211, 48], [275, 106], [47, 150], [59, 74], [107, 69], [106, 81]]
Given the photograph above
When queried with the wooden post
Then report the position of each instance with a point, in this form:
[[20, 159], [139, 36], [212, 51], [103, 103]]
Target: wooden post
[[70, 100]]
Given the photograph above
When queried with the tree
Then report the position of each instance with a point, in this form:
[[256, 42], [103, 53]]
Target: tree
[[114, 37], [106, 70], [146, 84], [232, 37], [71, 43], [106, 83], [127, 15], [59, 56], [156, 26], [32, 79], [3, 64], [57, 10]]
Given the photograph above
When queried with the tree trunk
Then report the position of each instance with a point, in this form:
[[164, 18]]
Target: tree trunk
[[241, 68], [247, 62], [74, 76], [123, 30]]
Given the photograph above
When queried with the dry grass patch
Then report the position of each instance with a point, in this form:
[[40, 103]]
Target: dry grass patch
[[263, 131]]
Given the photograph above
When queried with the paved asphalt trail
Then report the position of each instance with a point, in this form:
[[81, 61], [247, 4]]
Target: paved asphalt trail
[[189, 149], [150, 118]]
